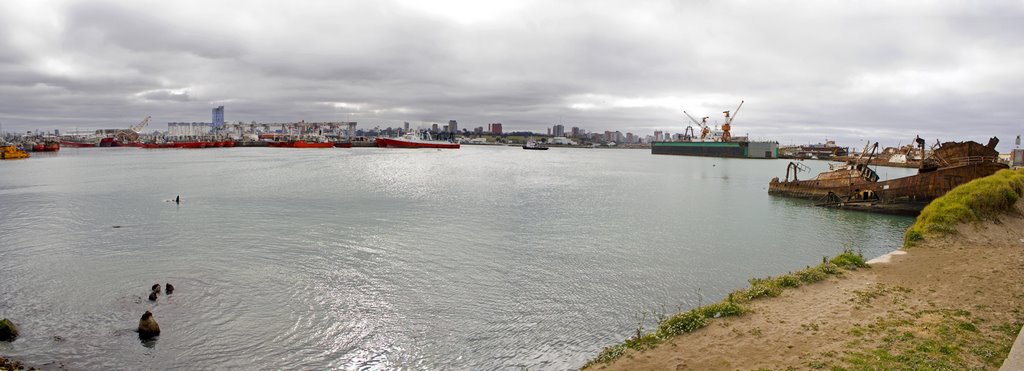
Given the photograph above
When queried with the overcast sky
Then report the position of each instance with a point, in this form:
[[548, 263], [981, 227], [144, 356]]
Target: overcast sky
[[808, 70]]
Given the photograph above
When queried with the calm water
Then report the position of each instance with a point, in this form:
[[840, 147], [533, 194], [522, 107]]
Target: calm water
[[479, 258]]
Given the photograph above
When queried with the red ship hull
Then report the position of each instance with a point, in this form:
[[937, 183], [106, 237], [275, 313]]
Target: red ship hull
[[343, 144], [302, 144], [77, 144], [401, 143]]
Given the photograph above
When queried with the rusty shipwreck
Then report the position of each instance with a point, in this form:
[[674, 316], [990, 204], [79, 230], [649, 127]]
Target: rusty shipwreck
[[856, 186]]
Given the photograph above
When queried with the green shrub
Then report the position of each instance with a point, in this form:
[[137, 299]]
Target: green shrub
[[682, 323], [811, 275], [978, 199], [849, 260], [789, 281]]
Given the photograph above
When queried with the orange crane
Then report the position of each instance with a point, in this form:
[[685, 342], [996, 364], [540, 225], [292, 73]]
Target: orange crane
[[728, 123]]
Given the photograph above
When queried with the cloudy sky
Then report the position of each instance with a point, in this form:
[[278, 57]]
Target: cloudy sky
[[808, 70]]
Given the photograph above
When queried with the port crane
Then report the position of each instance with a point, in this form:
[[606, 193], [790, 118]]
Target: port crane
[[703, 124], [728, 123], [137, 128]]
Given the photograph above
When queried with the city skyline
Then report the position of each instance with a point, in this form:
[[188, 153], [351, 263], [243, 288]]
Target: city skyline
[[868, 71]]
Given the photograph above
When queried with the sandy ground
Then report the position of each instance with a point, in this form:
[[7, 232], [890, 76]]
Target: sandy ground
[[959, 297]]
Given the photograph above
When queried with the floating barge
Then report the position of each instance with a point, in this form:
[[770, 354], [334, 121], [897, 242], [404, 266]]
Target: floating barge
[[715, 143], [717, 149], [856, 186]]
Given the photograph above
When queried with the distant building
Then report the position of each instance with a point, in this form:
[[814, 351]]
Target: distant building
[[657, 135], [562, 141], [494, 128], [478, 130], [406, 127], [218, 117], [549, 131], [576, 132], [434, 128], [188, 129], [630, 138], [558, 130], [453, 126]]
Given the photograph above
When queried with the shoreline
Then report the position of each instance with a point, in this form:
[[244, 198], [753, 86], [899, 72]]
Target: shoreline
[[952, 297]]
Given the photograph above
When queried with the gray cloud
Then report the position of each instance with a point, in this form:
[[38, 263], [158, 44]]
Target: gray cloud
[[808, 71]]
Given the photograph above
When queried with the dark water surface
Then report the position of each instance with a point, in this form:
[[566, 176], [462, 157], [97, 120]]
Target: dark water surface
[[478, 258]]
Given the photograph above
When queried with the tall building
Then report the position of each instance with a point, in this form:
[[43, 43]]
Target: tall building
[[576, 132], [494, 128], [434, 128], [453, 127], [218, 117], [558, 130], [406, 127]]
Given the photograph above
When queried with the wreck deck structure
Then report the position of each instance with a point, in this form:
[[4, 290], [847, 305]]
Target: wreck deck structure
[[856, 186]]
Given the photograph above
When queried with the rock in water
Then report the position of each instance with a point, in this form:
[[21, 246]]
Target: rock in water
[[152, 296], [148, 328], [7, 330], [170, 288], [156, 288]]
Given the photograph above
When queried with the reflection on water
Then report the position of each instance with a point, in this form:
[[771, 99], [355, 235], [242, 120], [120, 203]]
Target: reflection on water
[[479, 258]]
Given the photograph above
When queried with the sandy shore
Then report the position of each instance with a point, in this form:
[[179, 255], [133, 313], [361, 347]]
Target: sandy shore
[[955, 302]]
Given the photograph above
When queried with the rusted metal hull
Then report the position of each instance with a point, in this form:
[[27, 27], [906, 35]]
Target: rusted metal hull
[[904, 196]]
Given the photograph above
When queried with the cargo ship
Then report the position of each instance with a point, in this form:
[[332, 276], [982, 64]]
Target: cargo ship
[[414, 141], [715, 143]]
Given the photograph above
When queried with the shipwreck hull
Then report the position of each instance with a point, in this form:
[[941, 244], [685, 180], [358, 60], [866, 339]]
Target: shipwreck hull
[[903, 196]]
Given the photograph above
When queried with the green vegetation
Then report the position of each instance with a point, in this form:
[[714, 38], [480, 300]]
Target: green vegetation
[[700, 317], [926, 340], [979, 199]]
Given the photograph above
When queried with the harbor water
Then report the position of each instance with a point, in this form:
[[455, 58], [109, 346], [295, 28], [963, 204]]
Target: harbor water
[[479, 258]]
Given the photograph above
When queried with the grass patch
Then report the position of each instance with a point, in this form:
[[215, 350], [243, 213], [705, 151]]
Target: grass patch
[[979, 199], [697, 318], [931, 340]]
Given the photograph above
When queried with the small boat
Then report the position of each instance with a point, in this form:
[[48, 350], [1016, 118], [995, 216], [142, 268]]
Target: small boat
[[343, 144], [12, 153], [534, 146], [414, 141]]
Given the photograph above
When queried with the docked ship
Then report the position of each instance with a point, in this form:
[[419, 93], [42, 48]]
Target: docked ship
[[301, 144], [414, 141], [856, 186], [47, 146], [715, 143], [78, 144]]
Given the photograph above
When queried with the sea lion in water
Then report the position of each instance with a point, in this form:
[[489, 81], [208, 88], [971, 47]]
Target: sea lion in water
[[156, 288], [152, 296], [148, 327], [170, 288]]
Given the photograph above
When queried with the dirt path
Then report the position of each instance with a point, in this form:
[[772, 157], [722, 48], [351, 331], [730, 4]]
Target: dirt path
[[953, 303]]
